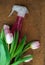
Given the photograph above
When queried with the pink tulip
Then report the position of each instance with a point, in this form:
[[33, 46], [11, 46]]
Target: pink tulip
[[6, 29], [8, 34], [35, 45]]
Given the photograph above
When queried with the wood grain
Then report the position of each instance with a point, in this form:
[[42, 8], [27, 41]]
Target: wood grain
[[33, 24]]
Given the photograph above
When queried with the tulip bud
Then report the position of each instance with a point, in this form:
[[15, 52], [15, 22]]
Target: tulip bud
[[8, 34], [31, 58], [35, 45], [28, 60], [6, 29], [9, 38]]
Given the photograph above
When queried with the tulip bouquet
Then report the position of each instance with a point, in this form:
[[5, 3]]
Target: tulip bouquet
[[11, 50]]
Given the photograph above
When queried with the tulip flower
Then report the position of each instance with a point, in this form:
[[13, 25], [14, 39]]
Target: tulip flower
[[31, 58], [6, 29], [9, 38], [35, 45], [8, 34]]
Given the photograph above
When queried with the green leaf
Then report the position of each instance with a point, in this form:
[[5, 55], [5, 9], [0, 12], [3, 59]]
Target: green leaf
[[20, 46], [23, 59], [2, 34], [4, 54], [14, 44], [27, 47]]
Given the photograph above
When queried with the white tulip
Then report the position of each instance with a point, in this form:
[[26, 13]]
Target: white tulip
[[8, 34], [35, 45], [9, 38], [28, 60], [31, 58]]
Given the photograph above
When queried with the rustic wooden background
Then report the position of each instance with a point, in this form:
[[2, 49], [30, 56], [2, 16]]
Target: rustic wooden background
[[33, 24]]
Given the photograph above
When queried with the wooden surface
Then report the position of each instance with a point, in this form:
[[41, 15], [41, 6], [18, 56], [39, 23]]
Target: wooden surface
[[33, 24]]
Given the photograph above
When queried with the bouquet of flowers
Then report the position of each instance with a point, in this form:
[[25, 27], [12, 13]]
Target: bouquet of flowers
[[11, 50]]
